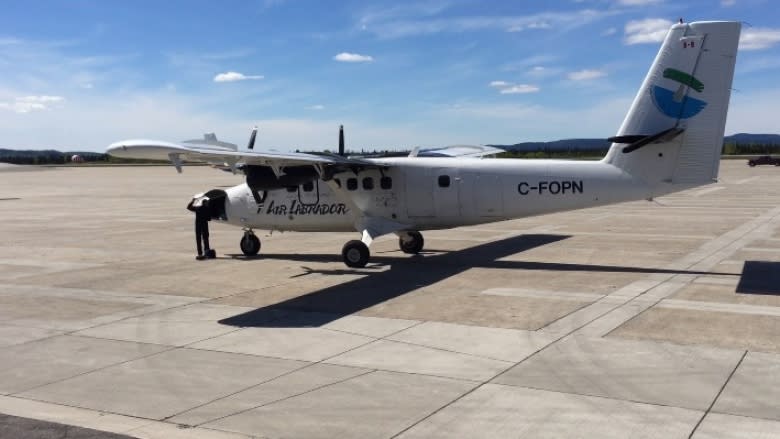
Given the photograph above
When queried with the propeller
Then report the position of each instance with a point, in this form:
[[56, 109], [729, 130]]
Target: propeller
[[341, 140], [251, 144]]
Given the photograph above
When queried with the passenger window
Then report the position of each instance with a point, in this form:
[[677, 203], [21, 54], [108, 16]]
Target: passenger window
[[444, 181], [386, 183], [292, 188], [368, 183], [308, 186], [352, 184]]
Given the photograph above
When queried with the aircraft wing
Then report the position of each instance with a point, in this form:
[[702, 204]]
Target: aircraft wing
[[179, 152]]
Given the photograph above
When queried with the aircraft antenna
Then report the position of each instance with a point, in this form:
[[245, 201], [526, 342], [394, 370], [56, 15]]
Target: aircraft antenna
[[341, 140], [251, 144]]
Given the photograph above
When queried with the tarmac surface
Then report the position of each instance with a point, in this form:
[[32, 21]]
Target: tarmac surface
[[644, 320]]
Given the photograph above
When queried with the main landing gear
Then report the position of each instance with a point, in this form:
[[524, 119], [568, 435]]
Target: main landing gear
[[411, 242], [250, 244], [356, 253]]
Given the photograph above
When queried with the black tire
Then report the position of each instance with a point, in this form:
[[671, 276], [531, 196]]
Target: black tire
[[412, 243], [250, 244], [751, 164], [355, 254]]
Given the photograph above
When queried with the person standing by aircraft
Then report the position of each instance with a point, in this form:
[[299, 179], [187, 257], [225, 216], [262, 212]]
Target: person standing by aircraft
[[200, 205]]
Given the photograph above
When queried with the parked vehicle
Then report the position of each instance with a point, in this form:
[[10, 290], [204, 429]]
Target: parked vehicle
[[764, 160]]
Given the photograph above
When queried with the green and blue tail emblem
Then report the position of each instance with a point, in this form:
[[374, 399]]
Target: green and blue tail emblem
[[676, 103]]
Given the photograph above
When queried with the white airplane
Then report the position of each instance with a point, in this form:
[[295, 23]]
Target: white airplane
[[670, 140]]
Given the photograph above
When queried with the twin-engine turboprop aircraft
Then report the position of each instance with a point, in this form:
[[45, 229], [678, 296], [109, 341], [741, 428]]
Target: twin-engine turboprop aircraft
[[670, 140]]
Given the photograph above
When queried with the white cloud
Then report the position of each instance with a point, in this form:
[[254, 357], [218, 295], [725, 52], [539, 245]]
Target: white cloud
[[513, 122], [394, 26], [540, 72], [758, 38], [727, 3], [638, 2], [316, 107], [754, 64], [235, 76], [27, 104], [352, 57], [753, 111], [510, 88], [532, 25], [609, 31], [650, 30], [586, 75], [519, 89], [529, 62]]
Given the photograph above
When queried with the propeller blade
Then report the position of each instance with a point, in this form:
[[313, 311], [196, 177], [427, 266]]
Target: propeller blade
[[251, 144], [341, 140]]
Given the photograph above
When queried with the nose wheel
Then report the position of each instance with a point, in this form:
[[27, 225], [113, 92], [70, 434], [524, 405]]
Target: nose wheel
[[355, 254], [250, 244], [411, 242]]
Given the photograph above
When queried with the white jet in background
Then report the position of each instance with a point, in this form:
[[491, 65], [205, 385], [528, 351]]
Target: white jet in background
[[670, 140]]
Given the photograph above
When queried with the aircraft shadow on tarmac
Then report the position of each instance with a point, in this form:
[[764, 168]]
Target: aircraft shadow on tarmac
[[405, 275], [760, 277]]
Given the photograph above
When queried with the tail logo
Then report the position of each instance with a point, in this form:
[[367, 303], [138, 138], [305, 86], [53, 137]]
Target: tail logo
[[676, 103]]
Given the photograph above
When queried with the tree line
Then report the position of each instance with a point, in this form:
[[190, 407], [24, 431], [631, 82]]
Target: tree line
[[51, 157]]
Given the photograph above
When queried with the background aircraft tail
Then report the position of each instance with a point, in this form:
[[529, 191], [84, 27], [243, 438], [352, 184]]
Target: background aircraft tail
[[210, 140], [672, 136]]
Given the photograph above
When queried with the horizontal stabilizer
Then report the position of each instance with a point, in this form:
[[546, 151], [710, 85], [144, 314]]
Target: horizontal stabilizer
[[637, 141]]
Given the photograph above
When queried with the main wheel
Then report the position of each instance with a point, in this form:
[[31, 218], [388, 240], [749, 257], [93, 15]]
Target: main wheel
[[355, 254], [250, 244], [411, 242]]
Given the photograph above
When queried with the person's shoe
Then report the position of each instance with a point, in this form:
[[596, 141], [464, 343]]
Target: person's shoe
[[211, 254], [200, 257]]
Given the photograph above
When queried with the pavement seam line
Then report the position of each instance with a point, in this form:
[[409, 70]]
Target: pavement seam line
[[769, 217], [72, 406], [478, 386], [171, 348], [314, 389], [714, 400], [710, 254], [322, 361], [590, 395]]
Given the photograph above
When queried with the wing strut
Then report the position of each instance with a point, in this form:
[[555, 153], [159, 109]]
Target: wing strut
[[176, 160]]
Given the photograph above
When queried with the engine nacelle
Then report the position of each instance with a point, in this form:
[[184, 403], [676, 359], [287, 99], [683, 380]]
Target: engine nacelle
[[262, 178]]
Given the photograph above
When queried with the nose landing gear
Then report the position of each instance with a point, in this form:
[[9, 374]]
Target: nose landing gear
[[355, 254], [250, 244]]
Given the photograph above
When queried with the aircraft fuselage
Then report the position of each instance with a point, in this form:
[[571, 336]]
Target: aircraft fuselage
[[434, 193]]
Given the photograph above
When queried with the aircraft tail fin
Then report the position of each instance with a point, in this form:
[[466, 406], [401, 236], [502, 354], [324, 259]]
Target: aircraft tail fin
[[673, 134]]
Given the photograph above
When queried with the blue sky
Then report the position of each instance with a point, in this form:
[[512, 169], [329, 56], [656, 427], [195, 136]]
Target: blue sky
[[81, 74]]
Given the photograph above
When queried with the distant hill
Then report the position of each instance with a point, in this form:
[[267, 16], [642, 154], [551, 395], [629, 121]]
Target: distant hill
[[741, 143], [603, 144], [753, 139]]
